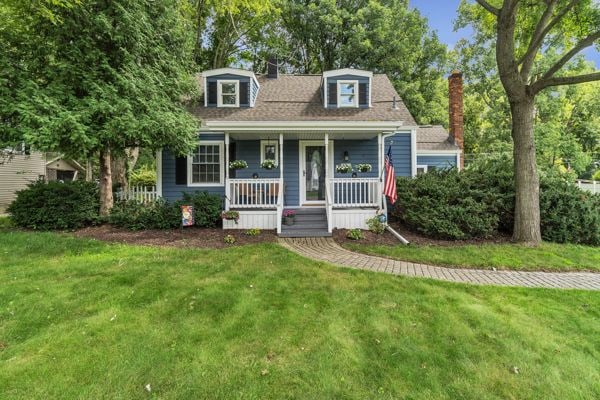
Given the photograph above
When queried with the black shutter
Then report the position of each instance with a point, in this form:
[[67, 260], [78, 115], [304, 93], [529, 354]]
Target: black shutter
[[244, 99], [362, 94], [212, 93], [332, 99], [181, 171]]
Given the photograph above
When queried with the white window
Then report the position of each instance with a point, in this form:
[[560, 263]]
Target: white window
[[269, 150], [205, 165], [228, 93], [421, 169], [347, 93]]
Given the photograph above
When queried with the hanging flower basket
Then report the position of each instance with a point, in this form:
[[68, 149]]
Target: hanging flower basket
[[344, 168], [231, 215], [238, 164], [268, 164], [364, 167]]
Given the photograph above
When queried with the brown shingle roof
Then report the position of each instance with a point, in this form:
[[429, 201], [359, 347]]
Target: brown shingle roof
[[298, 98], [434, 137]]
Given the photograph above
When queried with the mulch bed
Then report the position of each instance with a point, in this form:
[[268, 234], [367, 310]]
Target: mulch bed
[[188, 237], [387, 239]]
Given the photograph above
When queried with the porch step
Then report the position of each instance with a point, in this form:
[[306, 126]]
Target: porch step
[[309, 222]]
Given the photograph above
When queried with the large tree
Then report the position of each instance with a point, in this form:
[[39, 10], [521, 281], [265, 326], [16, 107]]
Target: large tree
[[100, 77], [534, 41]]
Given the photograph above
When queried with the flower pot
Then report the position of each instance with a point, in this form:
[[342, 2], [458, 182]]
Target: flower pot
[[288, 220]]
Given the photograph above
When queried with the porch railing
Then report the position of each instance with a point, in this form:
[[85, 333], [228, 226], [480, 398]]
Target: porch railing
[[280, 206], [254, 193], [591, 186], [329, 207], [355, 192]]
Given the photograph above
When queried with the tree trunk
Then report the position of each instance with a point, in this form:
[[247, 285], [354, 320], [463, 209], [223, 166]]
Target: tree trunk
[[106, 194], [527, 183], [119, 171]]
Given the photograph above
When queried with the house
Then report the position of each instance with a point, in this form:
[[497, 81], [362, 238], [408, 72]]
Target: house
[[312, 126], [62, 169], [18, 168]]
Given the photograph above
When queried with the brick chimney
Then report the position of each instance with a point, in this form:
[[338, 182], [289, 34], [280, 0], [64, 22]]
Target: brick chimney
[[457, 130]]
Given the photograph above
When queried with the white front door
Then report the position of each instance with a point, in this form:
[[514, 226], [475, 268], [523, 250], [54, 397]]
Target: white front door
[[313, 167]]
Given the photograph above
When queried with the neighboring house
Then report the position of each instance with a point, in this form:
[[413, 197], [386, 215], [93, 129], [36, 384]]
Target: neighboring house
[[60, 169], [16, 172], [310, 125]]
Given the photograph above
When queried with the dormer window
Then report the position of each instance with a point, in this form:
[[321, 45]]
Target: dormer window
[[228, 93], [347, 93]]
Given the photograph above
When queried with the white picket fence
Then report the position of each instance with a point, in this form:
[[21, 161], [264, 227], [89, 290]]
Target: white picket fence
[[592, 186], [142, 194]]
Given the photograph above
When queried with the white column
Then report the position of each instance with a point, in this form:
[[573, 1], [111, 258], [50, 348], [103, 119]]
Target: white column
[[281, 156], [227, 191], [327, 166], [159, 173]]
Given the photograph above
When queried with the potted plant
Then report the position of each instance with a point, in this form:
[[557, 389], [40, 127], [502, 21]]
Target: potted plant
[[238, 164], [268, 164], [289, 217], [231, 215], [364, 167], [343, 168]]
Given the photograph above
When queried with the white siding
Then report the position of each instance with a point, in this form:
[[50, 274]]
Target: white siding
[[253, 219], [17, 173], [350, 219]]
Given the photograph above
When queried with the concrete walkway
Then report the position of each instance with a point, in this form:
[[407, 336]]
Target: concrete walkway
[[325, 249]]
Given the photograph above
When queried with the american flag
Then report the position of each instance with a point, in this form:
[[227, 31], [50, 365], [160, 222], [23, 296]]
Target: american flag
[[389, 186]]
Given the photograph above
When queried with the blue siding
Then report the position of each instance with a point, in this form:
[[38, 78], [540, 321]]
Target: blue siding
[[359, 152], [442, 161], [360, 79], [243, 102], [171, 191], [291, 163], [249, 151], [401, 153]]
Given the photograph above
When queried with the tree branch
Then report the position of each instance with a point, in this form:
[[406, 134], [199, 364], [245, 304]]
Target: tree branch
[[584, 43], [564, 80], [542, 29], [489, 7]]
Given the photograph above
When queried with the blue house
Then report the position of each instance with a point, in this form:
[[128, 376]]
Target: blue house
[[313, 143]]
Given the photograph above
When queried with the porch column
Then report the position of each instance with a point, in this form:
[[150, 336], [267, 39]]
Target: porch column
[[281, 156], [227, 194], [327, 157]]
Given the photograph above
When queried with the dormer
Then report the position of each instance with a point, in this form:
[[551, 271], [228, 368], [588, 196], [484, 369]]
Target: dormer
[[347, 88], [230, 88]]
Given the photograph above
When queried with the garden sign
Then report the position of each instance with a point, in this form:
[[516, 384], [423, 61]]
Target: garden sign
[[187, 216]]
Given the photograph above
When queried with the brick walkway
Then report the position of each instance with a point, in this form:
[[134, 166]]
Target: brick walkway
[[325, 249]]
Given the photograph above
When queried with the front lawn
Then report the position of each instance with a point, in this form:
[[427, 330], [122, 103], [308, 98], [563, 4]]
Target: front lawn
[[81, 318], [548, 256]]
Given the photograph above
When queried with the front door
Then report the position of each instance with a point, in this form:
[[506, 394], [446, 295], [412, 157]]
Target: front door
[[312, 172]]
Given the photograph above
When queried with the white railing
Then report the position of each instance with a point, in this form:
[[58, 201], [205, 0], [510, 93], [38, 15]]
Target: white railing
[[355, 192], [329, 207], [254, 193], [592, 186], [143, 194]]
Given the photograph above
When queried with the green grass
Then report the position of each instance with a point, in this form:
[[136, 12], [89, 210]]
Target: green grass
[[547, 257], [89, 320], [5, 223]]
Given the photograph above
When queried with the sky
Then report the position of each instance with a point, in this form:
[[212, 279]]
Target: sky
[[442, 13]]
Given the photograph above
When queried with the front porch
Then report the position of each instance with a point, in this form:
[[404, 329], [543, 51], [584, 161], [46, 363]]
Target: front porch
[[304, 179]]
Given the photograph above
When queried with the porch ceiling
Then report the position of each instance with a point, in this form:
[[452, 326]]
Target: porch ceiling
[[301, 135]]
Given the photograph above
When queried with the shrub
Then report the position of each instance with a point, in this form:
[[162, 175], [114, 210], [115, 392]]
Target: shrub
[[207, 208], [375, 225], [145, 176], [252, 232], [229, 239], [569, 214], [596, 175], [6, 223], [354, 234], [479, 202], [56, 205], [138, 216]]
